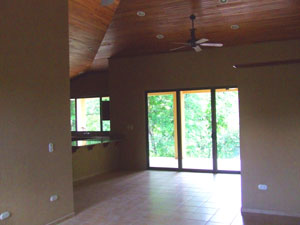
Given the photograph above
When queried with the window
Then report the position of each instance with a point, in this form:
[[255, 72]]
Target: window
[[73, 114], [90, 114]]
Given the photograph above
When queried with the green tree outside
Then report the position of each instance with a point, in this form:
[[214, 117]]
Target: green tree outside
[[197, 125]]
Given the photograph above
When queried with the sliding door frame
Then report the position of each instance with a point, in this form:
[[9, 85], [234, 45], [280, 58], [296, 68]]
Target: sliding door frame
[[179, 130]]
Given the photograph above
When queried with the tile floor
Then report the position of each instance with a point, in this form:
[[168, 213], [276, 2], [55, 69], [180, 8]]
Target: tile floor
[[162, 198]]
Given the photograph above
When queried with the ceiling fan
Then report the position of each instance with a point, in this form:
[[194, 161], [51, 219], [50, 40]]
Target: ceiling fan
[[193, 42]]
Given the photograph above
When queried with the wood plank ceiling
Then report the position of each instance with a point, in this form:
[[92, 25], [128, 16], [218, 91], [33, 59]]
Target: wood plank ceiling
[[88, 22], [130, 35]]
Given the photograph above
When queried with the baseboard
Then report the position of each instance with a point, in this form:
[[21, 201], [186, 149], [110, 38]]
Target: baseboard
[[61, 219], [269, 212], [79, 180], [87, 177]]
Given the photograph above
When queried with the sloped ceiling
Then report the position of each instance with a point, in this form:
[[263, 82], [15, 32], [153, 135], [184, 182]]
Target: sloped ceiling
[[92, 41], [88, 23]]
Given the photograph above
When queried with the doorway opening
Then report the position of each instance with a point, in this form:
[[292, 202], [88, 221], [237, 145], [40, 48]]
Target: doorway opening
[[194, 130]]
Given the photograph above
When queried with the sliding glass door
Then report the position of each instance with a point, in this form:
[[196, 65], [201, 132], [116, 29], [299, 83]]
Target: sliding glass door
[[194, 130], [228, 139], [162, 130]]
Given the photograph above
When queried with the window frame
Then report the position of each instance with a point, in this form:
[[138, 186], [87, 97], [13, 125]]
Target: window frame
[[89, 133]]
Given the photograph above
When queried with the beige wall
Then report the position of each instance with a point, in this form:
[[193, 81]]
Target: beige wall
[[34, 90], [101, 159], [269, 112], [90, 84]]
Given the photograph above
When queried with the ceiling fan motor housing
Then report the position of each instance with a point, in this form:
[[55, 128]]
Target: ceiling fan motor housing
[[192, 17]]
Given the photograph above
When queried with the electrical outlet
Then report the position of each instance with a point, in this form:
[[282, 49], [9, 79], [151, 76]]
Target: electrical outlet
[[130, 127], [262, 187], [50, 147]]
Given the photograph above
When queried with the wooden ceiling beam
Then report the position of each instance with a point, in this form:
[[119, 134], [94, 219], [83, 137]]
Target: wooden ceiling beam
[[270, 63]]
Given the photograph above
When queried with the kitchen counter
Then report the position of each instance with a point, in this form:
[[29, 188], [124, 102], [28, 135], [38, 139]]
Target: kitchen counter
[[90, 142]]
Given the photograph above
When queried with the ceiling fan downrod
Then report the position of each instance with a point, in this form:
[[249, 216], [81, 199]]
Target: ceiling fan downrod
[[192, 17], [193, 31]]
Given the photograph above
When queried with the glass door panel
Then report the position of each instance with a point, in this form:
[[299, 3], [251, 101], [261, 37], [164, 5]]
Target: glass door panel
[[196, 129], [162, 130], [228, 140]]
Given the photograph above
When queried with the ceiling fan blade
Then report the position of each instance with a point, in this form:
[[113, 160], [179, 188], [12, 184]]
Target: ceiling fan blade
[[202, 40], [212, 44], [174, 49], [181, 43], [197, 48]]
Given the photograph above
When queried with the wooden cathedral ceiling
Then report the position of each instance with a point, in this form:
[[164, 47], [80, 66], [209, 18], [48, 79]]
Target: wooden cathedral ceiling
[[98, 33], [88, 23]]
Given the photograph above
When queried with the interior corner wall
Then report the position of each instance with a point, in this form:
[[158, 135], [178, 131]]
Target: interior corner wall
[[34, 90], [269, 112], [90, 84]]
